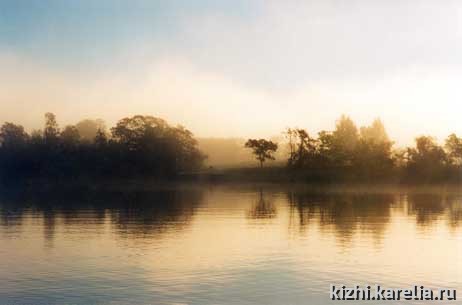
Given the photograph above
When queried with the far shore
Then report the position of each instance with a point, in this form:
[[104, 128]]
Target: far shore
[[230, 178]]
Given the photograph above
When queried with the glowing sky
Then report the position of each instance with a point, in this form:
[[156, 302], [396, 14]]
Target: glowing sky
[[235, 68]]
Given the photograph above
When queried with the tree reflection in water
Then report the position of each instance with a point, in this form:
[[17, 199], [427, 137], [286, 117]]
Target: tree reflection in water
[[347, 213], [263, 208], [134, 213]]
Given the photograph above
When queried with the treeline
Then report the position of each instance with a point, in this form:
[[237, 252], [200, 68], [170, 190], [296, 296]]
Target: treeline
[[146, 146], [136, 146], [350, 153]]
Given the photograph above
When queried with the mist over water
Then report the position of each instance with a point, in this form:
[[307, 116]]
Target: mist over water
[[228, 152], [224, 244]]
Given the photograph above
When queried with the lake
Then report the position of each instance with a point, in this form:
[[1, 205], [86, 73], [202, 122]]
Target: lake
[[225, 244]]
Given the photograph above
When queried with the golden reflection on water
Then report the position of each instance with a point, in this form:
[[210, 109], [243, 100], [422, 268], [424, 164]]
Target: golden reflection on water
[[230, 245]]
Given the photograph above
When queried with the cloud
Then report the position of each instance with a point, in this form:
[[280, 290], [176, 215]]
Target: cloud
[[410, 101], [287, 44]]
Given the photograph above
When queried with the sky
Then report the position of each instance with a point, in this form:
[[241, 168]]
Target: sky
[[235, 68]]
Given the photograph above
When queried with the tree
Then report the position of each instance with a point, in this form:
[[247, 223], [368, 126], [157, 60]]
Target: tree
[[140, 146], [345, 134], [100, 139], [13, 136], [302, 147], [14, 153], [373, 156], [51, 131], [155, 145], [325, 147], [344, 140], [262, 149], [133, 132], [36, 137], [70, 136], [427, 149], [185, 148], [453, 146], [374, 133], [427, 161]]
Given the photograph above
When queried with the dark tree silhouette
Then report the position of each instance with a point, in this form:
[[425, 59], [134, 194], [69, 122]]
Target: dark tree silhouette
[[262, 149], [302, 147], [51, 131], [70, 136], [13, 136], [139, 146], [347, 154], [100, 139], [146, 146], [151, 142]]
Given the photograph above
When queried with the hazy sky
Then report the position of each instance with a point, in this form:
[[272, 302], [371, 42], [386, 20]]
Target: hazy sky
[[235, 68]]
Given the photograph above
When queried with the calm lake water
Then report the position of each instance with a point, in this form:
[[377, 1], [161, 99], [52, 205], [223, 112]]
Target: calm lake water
[[225, 244]]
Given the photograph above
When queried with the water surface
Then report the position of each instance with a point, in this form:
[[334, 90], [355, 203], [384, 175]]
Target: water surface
[[225, 244]]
